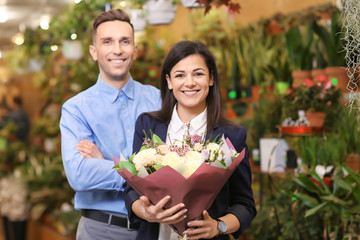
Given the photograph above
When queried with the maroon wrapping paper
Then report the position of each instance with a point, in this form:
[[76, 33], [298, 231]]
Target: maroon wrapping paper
[[197, 192]]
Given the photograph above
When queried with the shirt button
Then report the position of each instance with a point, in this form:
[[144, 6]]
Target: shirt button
[[124, 106], [128, 130], [121, 93]]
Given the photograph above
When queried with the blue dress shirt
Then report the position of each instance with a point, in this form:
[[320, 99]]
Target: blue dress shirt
[[105, 116]]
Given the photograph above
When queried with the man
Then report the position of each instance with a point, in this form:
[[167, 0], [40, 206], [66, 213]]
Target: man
[[105, 115]]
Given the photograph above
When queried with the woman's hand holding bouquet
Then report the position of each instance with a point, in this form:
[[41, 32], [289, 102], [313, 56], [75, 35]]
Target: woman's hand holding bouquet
[[191, 171]]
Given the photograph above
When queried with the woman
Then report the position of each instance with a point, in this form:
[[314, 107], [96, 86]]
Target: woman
[[191, 101]]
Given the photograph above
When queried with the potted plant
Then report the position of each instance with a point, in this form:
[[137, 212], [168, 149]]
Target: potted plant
[[337, 207], [298, 42], [280, 72], [160, 11], [332, 39], [320, 62], [349, 131], [313, 97]]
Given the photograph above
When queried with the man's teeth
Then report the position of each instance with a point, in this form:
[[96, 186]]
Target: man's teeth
[[117, 61]]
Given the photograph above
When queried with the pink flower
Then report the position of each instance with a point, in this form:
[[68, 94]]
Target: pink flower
[[321, 78], [308, 82], [328, 85]]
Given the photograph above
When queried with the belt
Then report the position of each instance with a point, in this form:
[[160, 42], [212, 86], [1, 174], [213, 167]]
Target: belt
[[108, 219]]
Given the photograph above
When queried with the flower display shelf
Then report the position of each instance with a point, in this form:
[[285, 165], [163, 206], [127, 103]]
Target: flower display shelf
[[300, 130]]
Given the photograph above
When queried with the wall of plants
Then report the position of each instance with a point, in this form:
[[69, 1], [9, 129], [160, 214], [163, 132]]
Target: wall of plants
[[260, 56]]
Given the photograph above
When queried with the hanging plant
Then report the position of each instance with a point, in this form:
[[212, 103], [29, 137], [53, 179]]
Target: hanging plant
[[208, 4]]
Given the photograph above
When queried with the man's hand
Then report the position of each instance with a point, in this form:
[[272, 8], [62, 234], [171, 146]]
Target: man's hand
[[88, 150]]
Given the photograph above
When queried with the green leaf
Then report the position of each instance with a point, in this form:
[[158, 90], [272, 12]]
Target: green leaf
[[132, 157], [307, 199], [158, 166], [334, 199], [127, 165], [308, 184], [341, 183], [144, 147], [313, 210], [156, 139]]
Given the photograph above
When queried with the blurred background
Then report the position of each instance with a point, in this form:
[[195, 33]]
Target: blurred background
[[279, 61]]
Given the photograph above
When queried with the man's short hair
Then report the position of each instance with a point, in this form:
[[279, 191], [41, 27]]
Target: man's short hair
[[110, 15]]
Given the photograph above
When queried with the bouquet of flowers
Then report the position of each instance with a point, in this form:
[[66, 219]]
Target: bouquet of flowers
[[191, 171]]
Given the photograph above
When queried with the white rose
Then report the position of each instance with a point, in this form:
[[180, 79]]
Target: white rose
[[193, 156], [213, 147], [198, 147], [191, 167], [172, 159], [144, 158]]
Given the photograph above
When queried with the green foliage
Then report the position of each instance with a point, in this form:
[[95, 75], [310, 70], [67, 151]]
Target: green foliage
[[338, 205], [325, 150], [298, 42], [12, 154], [332, 40], [348, 128], [282, 217], [127, 165], [267, 115]]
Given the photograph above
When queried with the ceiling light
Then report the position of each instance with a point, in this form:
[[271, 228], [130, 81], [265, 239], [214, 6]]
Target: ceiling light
[[77, 1], [0, 54], [3, 15], [123, 4], [18, 39]]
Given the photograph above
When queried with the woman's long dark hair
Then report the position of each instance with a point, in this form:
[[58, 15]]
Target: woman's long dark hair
[[178, 52]]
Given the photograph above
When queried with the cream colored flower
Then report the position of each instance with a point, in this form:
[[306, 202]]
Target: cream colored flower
[[191, 167], [163, 149], [198, 147], [193, 156], [172, 159], [145, 158], [213, 147]]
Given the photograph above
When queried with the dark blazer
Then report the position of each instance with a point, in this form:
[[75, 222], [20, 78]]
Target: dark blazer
[[235, 197]]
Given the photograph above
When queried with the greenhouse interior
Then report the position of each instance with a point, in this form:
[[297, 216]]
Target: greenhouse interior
[[288, 74]]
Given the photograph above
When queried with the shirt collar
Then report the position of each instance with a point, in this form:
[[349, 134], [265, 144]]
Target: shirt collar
[[113, 93], [196, 123]]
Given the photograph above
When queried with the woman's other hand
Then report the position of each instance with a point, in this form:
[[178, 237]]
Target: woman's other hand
[[206, 228], [144, 209]]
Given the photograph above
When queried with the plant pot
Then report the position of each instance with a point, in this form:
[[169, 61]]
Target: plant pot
[[353, 162], [316, 119], [338, 75], [299, 76], [72, 49], [160, 11], [282, 87], [328, 181], [255, 93], [191, 3], [138, 19]]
